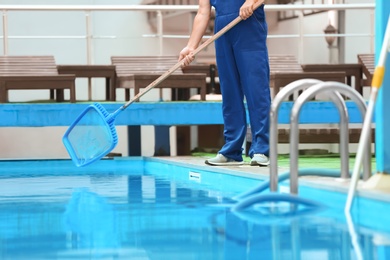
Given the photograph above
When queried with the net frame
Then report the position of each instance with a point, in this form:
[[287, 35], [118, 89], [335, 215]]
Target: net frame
[[91, 136]]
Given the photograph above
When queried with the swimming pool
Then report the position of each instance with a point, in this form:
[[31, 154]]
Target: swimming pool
[[148, 208]]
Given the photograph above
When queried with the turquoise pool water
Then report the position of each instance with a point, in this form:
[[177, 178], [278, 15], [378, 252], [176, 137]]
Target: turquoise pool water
[[146, 209]]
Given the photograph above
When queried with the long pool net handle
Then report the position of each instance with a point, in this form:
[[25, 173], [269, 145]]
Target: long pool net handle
[[93, 134], [366, 128], [180, 63]]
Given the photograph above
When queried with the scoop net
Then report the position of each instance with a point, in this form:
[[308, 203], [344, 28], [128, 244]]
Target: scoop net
[[91, 136]]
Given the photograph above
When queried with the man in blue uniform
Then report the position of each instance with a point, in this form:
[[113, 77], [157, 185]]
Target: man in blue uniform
[[243, 68]]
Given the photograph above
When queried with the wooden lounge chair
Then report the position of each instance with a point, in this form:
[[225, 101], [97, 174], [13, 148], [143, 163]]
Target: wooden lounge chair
[[33, 72], [93, 71], [211, 72], [353, 71], [136, 72], [285, 69]]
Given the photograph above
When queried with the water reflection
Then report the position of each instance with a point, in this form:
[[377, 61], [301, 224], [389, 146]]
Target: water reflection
[[91, 220]]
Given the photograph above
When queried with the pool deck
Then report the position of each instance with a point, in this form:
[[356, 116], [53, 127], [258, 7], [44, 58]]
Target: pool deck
[[263, 173]]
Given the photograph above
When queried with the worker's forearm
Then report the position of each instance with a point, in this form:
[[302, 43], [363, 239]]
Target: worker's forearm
[[198, 30]]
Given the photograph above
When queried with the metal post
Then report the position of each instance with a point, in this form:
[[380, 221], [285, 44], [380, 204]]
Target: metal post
[[5, 33], [160, 32], [160, 41], [372, 29], [89, 49], [300, 46]]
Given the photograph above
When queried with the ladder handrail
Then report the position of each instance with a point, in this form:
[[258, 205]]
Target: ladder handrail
[[283, 94], [273, 136], [294, 131]]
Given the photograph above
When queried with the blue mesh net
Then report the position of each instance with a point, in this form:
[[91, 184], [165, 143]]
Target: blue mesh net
[[91, 136]]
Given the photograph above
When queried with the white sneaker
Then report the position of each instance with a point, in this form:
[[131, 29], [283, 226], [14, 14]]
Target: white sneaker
[[221, 160], [259, 159]]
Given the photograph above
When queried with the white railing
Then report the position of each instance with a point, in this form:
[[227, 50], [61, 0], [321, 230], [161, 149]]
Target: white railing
[[159, 9]]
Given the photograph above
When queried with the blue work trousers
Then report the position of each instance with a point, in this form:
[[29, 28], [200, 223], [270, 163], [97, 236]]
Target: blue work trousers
[[243, 68]]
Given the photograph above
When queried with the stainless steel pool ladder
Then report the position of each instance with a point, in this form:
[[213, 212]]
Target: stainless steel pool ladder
[[312, 87]]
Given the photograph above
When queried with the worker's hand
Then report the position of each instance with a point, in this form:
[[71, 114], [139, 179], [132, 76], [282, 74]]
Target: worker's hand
[[246, 9], [186, 56]]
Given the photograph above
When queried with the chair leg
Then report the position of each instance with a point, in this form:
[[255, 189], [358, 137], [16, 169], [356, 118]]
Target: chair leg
[[3, 93], [72, 93], [52, 94], [60, 95]]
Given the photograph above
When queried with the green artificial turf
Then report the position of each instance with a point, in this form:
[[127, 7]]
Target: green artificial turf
[[327, 161]]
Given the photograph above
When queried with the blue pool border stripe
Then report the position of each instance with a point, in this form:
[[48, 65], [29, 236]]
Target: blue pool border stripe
[[159, 113]]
